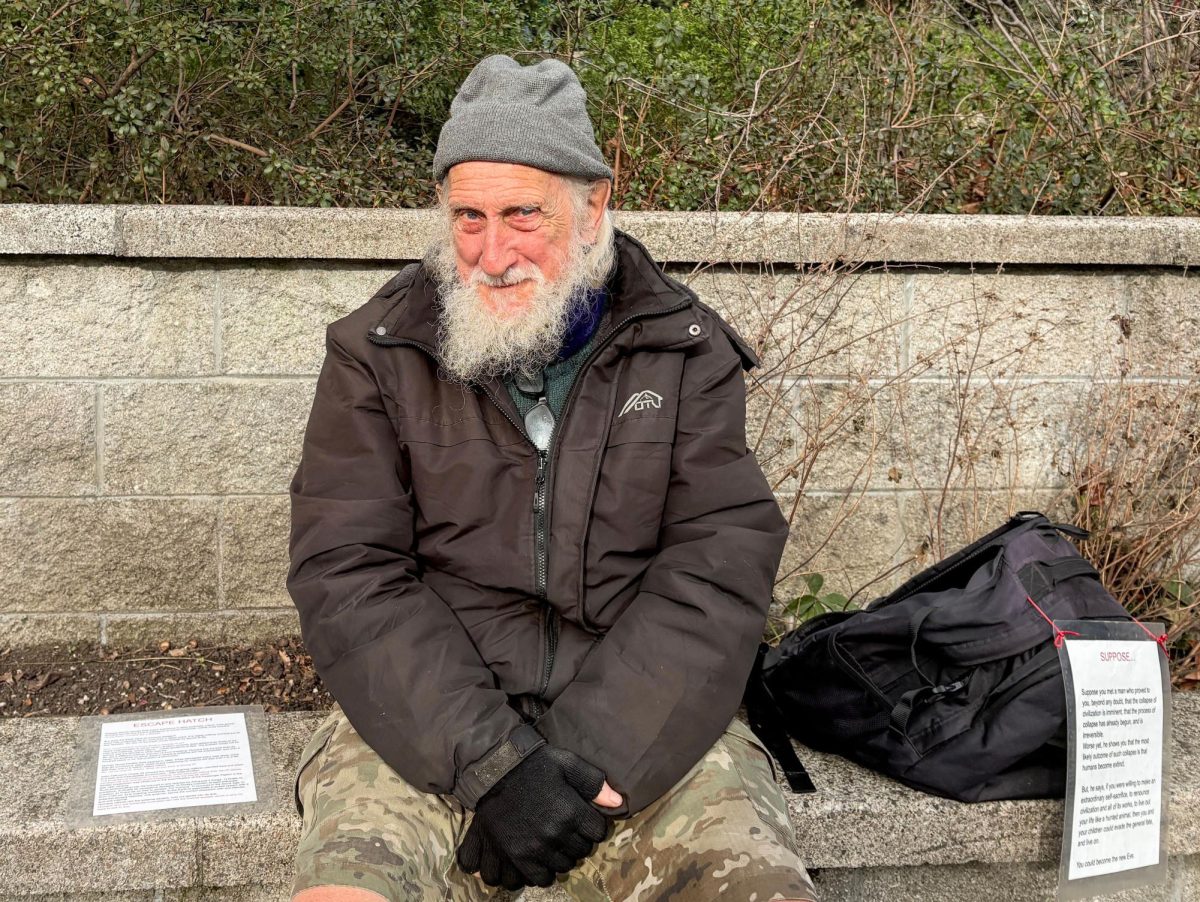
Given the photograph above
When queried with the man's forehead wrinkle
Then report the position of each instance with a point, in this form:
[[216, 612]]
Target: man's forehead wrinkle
[[501, 202], [512, 186]]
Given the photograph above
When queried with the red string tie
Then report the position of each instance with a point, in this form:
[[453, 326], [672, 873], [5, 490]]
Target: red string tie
[[1161, 640], [1060, 636]]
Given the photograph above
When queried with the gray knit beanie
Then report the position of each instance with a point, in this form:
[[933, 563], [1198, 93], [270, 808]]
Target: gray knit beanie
[[508, 113]]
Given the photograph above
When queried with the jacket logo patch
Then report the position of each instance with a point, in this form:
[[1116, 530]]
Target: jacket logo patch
[[640, 400]]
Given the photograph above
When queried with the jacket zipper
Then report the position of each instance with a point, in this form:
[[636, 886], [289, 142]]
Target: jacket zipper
[[549, 616], [543, 482]]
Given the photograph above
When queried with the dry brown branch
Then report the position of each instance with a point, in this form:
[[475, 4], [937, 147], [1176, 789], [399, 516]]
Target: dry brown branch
[[241, 145]]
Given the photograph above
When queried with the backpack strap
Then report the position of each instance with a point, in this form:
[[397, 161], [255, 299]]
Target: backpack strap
[[767, 723], [1068, 529], [1038, 578], [898, 720], [914, 635]]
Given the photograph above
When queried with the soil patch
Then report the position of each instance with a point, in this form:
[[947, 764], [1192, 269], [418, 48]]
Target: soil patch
[[88, 678]]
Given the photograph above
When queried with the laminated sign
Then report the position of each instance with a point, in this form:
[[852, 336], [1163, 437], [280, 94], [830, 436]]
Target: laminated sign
[[1118, 728], [156, 764]]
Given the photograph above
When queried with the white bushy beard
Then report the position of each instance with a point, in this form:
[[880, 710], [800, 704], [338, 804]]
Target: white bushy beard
[[477, 344]]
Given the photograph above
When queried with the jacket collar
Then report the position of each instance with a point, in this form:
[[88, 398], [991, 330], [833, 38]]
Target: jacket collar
[[637, 288]]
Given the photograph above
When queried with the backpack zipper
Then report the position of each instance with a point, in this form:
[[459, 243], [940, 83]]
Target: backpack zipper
[[543, 483], [852, 668]]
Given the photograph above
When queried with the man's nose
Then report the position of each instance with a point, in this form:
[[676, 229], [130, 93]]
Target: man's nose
[[498, 254]]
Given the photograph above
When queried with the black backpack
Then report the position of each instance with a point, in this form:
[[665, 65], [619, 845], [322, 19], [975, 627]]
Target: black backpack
[[951, 684]]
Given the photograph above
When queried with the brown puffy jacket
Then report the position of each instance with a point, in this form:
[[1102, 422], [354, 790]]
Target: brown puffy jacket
[[454, 585]]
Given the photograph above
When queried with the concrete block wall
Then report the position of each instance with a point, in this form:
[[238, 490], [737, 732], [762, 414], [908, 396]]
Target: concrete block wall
[[922, 377]]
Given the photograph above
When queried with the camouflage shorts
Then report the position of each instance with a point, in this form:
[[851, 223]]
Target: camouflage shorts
[[721, 830]]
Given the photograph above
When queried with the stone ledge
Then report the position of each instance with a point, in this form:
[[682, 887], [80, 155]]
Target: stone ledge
[[235, 625], [225, 232], [861, 830]]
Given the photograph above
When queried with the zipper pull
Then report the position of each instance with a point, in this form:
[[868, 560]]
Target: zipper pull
[[539, 424], [539, 482], [948, 688]]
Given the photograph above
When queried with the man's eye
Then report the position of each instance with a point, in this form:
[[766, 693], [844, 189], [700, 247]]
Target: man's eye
[[469, 220], [526, 218]]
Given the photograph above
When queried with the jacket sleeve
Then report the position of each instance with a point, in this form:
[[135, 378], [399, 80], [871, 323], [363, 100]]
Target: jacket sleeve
[[667, 678], [389, 649]]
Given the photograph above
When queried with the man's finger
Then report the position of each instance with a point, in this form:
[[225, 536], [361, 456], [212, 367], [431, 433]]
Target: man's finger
[[592, 825], [584, 778], [469, 851], [608, 797], [490, 866], [510, 877]]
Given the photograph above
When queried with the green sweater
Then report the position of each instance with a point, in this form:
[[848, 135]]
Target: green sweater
[[559, 375]]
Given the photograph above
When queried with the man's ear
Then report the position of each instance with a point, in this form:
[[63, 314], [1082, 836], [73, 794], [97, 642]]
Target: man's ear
[[601, 191]]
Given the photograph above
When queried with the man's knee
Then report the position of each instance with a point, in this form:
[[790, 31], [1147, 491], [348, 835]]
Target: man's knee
[[337, 894]]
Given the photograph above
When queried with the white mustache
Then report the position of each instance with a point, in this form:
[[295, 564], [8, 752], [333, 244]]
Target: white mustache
[[511, 276]]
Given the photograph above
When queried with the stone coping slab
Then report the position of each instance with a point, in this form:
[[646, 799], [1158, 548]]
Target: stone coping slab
[[228, 232], [858, 819]]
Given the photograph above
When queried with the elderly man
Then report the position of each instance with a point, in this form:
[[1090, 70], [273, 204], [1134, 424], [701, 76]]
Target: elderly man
[[532, 553]]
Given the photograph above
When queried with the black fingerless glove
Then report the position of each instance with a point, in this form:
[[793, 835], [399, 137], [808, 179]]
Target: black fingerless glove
[[478, 854], [538, 819]]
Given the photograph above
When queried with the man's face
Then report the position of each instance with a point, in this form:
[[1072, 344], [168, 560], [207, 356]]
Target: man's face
[[507, 219], [514, 262]]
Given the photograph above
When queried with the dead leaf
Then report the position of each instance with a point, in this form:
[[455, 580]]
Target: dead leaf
[[177, 652], [45, 680]]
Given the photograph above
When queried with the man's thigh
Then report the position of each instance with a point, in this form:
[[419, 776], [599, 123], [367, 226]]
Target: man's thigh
[[723, 830], [366, 827]]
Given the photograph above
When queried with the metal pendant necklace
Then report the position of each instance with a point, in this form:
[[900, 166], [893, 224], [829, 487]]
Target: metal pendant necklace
[[539, 421]]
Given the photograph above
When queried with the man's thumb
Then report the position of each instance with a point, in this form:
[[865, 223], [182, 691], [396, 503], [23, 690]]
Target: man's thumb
[[608, 797]]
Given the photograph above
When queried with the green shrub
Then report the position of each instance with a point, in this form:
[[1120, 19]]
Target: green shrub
[[735, 104]]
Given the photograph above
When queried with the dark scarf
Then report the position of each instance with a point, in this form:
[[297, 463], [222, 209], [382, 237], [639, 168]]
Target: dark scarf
[[583, 322]]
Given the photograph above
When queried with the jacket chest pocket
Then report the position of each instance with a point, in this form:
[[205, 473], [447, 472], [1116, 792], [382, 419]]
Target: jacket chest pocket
[[635, 475], [631, 489], [635, 471], [451, 467], [471, 485]]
